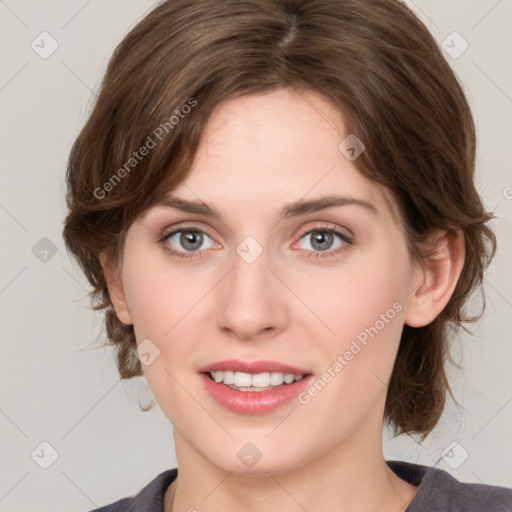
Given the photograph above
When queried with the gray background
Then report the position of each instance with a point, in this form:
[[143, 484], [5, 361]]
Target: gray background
[[56, 389]]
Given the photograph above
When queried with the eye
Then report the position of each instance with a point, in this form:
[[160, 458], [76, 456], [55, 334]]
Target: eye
[[188, 239], [323, 240], [188, 242]]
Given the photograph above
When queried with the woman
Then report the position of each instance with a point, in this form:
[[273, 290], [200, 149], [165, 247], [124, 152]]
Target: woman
[[274, 202]]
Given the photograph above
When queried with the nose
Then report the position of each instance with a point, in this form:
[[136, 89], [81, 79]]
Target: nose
[[251, 302]]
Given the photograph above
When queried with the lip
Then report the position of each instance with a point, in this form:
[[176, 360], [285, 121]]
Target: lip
[[254, 402], [261, 366]]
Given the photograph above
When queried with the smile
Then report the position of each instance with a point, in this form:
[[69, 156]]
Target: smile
[[253, 387]]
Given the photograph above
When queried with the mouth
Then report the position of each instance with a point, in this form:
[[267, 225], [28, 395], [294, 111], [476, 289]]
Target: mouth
[[253, 387]]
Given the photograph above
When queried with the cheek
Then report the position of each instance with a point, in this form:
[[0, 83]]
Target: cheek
[[368, 291], [166, 302], [364, 305], [159, 293], [150, 302], [161, 301]]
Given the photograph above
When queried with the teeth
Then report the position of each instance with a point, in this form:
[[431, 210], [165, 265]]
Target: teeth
[[258, 380]]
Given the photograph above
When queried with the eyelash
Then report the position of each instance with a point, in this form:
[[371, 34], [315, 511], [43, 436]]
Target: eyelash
[[312, 254]]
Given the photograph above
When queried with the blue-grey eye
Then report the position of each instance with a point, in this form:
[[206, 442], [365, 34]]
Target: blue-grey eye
[[188, 241], [322, 239]]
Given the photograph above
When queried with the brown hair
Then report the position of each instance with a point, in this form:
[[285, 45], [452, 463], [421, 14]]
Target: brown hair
[[371, 59]]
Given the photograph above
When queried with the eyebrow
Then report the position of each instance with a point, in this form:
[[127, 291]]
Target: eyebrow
[[300, 207]]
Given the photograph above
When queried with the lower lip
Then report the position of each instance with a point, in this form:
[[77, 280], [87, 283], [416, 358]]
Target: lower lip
[[254, 402]]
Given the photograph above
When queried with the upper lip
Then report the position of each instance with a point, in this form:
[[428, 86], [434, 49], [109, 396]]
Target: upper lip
[[261, 366]]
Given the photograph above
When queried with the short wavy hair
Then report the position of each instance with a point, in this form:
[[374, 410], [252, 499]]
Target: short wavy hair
[[373, 60]]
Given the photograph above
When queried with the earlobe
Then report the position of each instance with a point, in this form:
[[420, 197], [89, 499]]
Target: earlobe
[[438, 279], [115, 289]]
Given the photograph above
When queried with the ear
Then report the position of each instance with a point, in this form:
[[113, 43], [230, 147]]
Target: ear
[[438, 278], [115, 288]]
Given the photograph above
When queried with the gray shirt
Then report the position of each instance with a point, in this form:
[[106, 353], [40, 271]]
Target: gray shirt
[[438, 491]]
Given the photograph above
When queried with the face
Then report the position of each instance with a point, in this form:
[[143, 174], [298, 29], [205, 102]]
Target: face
[[321, 293]]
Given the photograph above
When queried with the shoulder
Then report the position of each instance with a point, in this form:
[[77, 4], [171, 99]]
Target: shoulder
[[149, 499], [440, 491]]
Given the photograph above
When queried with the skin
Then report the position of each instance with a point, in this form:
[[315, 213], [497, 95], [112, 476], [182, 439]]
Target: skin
[[257, 154]]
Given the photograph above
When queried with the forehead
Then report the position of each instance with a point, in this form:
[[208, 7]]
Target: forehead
[[261, 152]]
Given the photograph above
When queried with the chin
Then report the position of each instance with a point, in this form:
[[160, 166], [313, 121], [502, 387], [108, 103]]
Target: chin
[[257, 459]]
